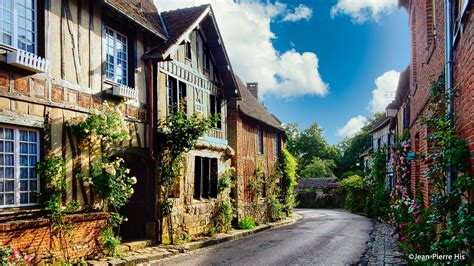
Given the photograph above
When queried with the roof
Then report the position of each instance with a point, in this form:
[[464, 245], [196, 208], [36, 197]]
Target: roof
[[403, 89], [250, 106], [178, 23], [366, 152], [144, 12], [326, 182], [382, 121]]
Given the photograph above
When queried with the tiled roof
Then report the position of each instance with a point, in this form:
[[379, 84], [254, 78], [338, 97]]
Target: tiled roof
[[144, 12], [383, 120], [326, 182], [177, 22], [250, 106]]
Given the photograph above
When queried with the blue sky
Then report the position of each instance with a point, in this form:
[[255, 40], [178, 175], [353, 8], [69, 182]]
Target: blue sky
[[351, 56], [333, 62]]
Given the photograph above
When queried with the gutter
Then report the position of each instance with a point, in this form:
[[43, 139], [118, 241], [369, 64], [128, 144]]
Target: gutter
[[448, 69]]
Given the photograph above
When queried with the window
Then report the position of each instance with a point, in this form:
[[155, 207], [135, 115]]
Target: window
[[206, 60], [188, 50], [176, 95], [430, 6], [19, 152], [18, 24], [459, 9], [215, 104], [205, 177], [277, 145], [116, 64], [260, 140]]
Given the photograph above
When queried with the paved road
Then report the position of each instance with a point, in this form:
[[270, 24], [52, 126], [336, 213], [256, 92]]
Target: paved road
[[321, 237]]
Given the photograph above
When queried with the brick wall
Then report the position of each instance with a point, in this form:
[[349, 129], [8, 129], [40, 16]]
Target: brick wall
[[34, 237], [427, 65]]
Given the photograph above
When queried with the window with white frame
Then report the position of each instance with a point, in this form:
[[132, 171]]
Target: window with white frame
[[19, 153], [116, 61], [18, 24]]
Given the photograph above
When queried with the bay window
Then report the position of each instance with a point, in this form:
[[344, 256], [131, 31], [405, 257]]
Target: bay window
[[19, 153], [116, 61], [18, 24]]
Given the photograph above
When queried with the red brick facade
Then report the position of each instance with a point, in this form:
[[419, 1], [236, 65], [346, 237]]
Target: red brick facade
[[34, 237], [426, 22]]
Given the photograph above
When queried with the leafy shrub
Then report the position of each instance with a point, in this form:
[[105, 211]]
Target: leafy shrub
[[225, 214], [377, 196], [353, 186], [275, 208], [287, 166], [247, 223], [109, 241], [351, 173], [225, 180], [318, 168]]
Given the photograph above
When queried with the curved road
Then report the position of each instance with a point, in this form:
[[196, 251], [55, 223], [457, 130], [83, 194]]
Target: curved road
[[321, 237]]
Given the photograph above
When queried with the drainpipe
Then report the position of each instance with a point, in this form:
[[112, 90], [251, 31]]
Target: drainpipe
[[151, 99], [448, 69]]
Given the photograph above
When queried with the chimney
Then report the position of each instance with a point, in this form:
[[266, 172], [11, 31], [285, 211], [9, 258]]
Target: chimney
[[253, 88]]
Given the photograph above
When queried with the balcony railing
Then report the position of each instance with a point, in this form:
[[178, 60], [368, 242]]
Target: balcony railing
[[29, 61], [125, 91], [216, 133]]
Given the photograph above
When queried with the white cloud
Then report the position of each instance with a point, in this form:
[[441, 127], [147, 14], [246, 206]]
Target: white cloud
[[245, 27], [352, 126], [301, 12], [363, 10], [386, 86]]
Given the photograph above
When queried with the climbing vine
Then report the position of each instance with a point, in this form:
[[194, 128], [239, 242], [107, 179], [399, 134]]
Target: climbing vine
[[225, 209], [108, 178], [52, 170], [447, 225], [178, 134], [376, 187], [287, 166]]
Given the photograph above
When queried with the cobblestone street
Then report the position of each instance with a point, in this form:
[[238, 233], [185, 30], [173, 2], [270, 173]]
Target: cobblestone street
[[381, 248]]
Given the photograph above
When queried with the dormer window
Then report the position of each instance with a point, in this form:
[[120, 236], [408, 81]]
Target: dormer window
[[18, 24], [116, 64]]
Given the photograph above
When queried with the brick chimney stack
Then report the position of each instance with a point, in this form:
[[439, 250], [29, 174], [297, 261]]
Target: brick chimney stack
[[253, 88]]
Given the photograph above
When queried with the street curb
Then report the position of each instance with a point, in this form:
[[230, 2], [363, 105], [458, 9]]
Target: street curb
[[161, 252]]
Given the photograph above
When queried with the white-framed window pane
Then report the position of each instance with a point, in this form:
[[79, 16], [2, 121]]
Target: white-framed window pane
[[19, 154], [6, 22], [25, 10], [116, 65]]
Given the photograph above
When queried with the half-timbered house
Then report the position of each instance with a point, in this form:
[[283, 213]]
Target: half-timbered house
[[194, 72], [58, 60]]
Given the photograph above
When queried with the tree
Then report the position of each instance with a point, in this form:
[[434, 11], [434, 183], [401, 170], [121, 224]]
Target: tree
[[318, 168], [310, 144]]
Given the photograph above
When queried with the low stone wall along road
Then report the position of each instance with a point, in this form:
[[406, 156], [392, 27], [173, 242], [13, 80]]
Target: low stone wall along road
[[321, 237]]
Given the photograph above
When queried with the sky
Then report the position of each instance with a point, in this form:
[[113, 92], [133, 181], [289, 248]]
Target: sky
[[333, 62]]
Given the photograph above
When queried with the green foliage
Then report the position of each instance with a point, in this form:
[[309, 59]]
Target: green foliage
[[178, 134], [308, 145], [109, 179], [247, 223], [353, 186], [225, 214], [52, 170], [447, 225], [110, 242], [351, 148], [287, 167], [256, 183], [318, 168], [225, 180], [275, 208], [377, 195], [351, 173]]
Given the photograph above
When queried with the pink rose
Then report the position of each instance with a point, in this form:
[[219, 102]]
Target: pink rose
[[15, 252], [414, 214], [417, 220], [402, 238], [27, 259]]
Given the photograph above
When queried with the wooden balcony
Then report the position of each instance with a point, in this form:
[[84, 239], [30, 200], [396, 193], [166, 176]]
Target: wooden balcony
[[216, 133]]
